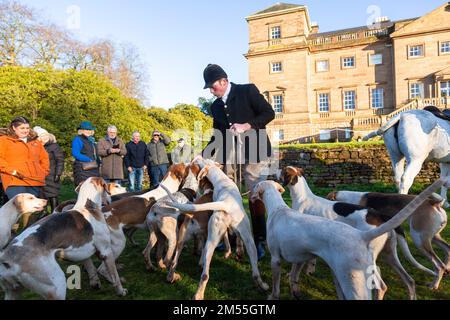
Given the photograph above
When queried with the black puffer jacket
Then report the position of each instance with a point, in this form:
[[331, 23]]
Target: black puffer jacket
[[56, 157]]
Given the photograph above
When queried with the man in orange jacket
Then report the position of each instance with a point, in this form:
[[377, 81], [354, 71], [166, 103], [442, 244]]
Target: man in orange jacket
[[24, 163]]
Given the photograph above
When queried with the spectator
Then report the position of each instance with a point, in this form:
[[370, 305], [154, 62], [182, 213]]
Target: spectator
[[24, 164], [84, 150], [112, 150], [56, 157], [136, 160], [182, 152], [159, 162]]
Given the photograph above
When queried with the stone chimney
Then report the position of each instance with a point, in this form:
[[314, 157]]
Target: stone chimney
[[314, 28]]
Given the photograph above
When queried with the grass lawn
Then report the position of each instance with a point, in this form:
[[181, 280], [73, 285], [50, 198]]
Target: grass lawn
[[231, 280]]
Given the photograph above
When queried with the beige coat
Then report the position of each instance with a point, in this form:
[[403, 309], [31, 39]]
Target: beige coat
[[112, 164]]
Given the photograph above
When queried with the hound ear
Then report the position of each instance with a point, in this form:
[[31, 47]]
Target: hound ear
[[280, 188], [77, 189], [300, 172], [332, 196], [109, 187], [18, 202], [203, 173]]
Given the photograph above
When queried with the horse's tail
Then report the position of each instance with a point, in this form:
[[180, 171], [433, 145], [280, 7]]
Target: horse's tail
[[392, 123]]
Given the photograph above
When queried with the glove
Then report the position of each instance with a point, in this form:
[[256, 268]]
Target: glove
[[57, 179]]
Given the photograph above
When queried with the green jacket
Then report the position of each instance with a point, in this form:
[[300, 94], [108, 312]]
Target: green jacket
[[157, 151]]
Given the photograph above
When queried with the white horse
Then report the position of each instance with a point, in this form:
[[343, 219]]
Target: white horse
[[415, 137]]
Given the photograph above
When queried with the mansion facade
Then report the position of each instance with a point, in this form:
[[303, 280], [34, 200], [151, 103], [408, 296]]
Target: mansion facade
[[343, 84]]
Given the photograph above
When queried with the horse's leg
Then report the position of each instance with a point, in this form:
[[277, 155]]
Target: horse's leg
[[413, 167], [445, 173], [397, 158]]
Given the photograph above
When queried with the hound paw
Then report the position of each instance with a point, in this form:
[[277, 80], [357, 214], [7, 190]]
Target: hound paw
[[227, 255], [120, 266], [173, 278], [198, 297], [433, 286], [273, 298], [122, 293], [296, 294], [95, 285]]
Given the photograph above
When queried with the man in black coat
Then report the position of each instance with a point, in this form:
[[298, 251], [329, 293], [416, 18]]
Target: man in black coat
[[241, 115], [136, 160]]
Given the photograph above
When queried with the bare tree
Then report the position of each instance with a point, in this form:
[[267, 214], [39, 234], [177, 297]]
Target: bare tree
[[48, 44], [130, 75], [16, 25]]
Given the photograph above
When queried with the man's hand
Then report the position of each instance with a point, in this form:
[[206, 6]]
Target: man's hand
[[57, 179], [240, 128], [130, 169]]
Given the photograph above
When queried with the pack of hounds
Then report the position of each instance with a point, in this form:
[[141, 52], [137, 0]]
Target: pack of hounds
[[348, 231]]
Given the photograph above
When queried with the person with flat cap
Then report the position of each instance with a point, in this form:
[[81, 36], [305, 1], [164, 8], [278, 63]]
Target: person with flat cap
[[241, 114]]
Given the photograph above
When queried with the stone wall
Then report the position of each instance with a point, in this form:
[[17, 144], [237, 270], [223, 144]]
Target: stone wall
[[330, 167]]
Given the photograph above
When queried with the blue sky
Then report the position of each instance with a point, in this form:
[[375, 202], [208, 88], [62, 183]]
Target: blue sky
[[177, 39]]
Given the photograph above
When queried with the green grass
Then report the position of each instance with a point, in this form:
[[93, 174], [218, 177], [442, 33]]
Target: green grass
[[231, 280]]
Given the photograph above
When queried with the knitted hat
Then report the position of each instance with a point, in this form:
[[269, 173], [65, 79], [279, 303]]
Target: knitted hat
[[40, 131]]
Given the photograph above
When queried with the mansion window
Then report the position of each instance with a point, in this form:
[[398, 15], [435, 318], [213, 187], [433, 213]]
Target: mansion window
[[377, 98], [278, 103], [325, 135], [348, 62], [276, 67], [275, 33], [375, 59], [445, 89], [349, 100], [278, 135], [322, 65], [445, 47], [416, 90], [324, 102], [416, 51]]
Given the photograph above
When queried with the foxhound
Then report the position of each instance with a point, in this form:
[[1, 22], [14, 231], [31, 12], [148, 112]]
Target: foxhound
[[305, 201], [426, 224], [132, 212], [162, 220], [229, 213], [11, 212], [298, 238], [29, 261]]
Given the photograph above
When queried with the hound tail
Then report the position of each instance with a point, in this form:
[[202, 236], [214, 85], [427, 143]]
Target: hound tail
[[392, 123], [212, 206], [407, 253], [404, 214], [189, 207]]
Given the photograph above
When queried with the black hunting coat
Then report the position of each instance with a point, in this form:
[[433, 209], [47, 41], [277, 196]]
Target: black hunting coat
[[245, 104]]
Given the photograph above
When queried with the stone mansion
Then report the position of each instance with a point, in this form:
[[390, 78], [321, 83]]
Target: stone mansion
[[344, 83]]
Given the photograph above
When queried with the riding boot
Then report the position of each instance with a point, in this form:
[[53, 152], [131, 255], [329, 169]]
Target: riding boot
[[258, 216]]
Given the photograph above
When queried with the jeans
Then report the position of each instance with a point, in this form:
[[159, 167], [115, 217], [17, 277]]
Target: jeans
[[11, 192], [136, 177], [157, 173]]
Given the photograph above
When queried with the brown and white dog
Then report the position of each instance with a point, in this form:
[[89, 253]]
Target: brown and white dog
[[11, 212], [363, 218], [229, 213], [29, 261], [426, 224], [297, 238], [132, 212], [162, 220], [195, 225]]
